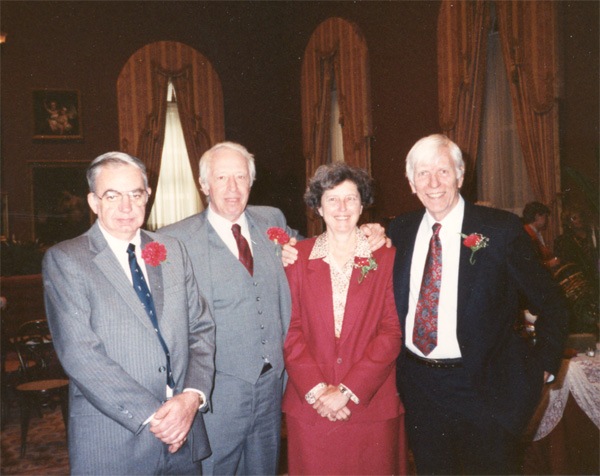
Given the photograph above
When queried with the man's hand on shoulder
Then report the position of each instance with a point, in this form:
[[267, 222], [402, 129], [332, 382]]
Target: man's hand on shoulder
[[375, 234], [289, 254], [173, 420]]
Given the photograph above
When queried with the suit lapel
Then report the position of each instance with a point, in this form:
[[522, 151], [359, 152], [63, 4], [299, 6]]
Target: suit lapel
[[155, 277], [108, 265], [467, 272], [358, 295], [318, 279], [402, 264]]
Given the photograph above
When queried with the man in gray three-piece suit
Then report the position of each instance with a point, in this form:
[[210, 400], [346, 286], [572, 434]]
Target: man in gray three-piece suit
[[140, 359], [249, 297]]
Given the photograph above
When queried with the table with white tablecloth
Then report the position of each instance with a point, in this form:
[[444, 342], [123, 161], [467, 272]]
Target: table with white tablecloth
[[566, 426]]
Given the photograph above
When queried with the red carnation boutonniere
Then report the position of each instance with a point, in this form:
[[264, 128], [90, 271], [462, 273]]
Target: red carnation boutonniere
[[475, 241], [153, 253], [278, 236], [365, 265]]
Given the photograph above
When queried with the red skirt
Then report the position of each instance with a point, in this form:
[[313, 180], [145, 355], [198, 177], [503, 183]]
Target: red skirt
[[346, 448]]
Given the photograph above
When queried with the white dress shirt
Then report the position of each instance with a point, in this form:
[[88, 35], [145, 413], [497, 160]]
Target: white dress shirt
[[223, 228], [447, 342]]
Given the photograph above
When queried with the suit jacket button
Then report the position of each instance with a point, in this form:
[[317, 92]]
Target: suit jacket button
[[258, 298], [162, 369]]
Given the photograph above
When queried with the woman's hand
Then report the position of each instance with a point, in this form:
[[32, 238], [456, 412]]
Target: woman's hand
[[331, 402]]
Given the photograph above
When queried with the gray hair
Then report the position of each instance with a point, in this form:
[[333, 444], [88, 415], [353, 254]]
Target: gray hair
[[427, 148], [113, 159], [207, 156]]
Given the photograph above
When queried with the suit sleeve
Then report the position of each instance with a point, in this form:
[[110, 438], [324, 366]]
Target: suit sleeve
[[201, 365], [369, 373], [544, 297], [103, 382], [303, 371]]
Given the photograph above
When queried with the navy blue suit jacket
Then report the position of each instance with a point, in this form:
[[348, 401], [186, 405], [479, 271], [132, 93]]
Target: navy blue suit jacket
[[507, 371]]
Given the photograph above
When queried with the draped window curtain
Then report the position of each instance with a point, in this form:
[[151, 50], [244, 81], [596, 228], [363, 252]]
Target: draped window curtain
[[462, 47], [528, 32], [499, 180], [150, 145], [336, 54], [176, 195]]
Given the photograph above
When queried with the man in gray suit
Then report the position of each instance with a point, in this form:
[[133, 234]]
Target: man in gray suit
[[251, 308], [239, 271], [139, 357]]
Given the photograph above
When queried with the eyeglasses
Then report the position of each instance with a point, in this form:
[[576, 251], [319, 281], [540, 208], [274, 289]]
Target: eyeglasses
[[113, 198]]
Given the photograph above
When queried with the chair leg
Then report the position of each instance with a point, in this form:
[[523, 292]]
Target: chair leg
[[64, 408], [24, 404]]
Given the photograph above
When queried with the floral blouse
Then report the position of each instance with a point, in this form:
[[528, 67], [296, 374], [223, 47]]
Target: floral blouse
[[340, 277]]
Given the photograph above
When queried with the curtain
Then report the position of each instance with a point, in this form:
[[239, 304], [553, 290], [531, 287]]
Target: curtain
[[530, 47], [462, 41], [336, 141], [336, 51], [150, 144], [176, 196], [501, 173], [197, 140]]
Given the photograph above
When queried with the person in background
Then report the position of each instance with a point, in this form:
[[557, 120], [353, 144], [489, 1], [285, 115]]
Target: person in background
[[239, 271], [343, 412], [579, 242], [133, 334], [469, 382], [535, 219]]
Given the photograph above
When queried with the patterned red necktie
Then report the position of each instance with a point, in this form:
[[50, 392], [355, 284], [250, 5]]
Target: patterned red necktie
[[426, 315], [243, 249]]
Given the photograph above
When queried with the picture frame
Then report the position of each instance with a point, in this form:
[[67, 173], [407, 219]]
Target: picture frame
[[4, 218], [59, 198], [57, 114]]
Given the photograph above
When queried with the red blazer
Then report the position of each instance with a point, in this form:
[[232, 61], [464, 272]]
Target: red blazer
[[363, 359]]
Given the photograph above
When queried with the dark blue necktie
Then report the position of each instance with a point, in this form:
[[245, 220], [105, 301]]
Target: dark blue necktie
[[143, 292]]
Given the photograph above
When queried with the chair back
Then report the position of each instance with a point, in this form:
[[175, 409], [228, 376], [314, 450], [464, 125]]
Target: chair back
[[33, 343]]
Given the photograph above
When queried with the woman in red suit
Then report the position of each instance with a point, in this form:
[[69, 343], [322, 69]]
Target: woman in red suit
[[343, 411]]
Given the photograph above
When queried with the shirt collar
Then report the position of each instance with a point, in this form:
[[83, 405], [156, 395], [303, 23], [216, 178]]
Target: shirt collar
[[118, 245], [220, 223], [321, 247], [451, 222]]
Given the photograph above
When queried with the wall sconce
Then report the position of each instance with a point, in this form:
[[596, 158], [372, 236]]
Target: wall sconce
[[3, 37]]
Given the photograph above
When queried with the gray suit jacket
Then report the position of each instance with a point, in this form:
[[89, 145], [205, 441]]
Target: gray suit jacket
[[252, 314], [108, 347]]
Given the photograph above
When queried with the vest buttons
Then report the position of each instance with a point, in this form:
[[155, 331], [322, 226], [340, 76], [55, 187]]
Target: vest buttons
[[339, 361], [162, 369], [258, 298]]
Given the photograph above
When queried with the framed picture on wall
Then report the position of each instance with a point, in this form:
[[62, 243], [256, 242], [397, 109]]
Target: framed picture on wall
[[57, 114], [59, 196], [4, 219]]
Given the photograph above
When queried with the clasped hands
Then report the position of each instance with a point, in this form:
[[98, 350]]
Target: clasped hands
[[332, 404], [172, 421]]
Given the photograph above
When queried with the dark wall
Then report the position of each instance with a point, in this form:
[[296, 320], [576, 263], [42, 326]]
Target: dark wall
[[257, 49]]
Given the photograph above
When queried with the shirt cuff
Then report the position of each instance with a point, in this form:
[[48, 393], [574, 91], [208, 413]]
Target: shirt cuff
[[199, 392], [310, 396], [348, 393]]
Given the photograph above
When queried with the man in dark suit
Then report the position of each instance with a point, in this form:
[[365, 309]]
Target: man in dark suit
[[140, 363], [468, 381]]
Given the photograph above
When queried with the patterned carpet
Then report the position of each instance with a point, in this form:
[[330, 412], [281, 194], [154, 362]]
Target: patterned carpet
[[46, 452]]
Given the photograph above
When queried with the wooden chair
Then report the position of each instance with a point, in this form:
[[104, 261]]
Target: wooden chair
[[45, 383]]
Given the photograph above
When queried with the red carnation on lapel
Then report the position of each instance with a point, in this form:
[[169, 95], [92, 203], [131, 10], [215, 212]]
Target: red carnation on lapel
[[475, 242], [153, 253], [278, 235], [365, 265]]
